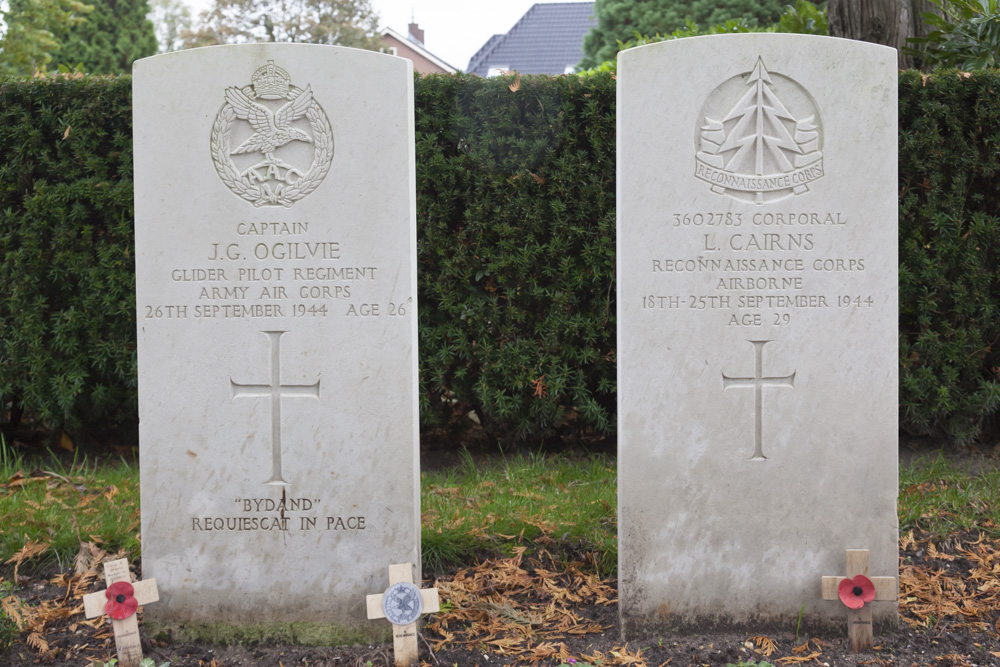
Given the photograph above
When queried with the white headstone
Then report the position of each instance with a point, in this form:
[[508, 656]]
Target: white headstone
[[276, 296], [757, 325]]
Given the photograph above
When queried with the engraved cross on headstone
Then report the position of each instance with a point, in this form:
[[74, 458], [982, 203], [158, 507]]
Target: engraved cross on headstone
[[276, 391], [758, 382]]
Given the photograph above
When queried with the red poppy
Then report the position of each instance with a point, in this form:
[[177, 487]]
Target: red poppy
[[856, 592], [121, 603]]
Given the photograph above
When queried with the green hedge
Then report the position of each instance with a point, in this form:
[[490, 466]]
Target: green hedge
[[516, 222], [67, 316], [949, 247], [515, 200]]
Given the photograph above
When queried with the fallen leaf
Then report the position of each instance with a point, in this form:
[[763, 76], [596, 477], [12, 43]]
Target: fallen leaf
[[11, 607], [30, 550], [36, 641], [798, 660], [765, 644], [88, 558], [64, 440]]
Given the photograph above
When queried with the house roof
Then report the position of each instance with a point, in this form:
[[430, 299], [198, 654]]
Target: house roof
[[418, 48], [546, 40]]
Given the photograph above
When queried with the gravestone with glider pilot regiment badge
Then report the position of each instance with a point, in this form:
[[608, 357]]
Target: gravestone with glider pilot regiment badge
[[759, 137], [276, 338], [285, 144]]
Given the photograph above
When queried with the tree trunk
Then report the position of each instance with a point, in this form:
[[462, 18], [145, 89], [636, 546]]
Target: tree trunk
[[888, 22]]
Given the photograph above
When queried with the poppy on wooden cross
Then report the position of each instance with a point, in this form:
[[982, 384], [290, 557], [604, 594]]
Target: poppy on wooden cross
[[857, 591], [403, 603], [120, 601]]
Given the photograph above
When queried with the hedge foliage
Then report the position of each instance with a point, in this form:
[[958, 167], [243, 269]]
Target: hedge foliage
[[516, 210], [67, 316], [516, 220], [949, 248]]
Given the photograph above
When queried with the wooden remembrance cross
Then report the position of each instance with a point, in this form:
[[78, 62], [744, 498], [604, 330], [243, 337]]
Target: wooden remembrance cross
[[404, 602], [118, 603], [859, 620]]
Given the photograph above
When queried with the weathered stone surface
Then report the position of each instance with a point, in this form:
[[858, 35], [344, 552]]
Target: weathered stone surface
[[757, 297], [275, 256]]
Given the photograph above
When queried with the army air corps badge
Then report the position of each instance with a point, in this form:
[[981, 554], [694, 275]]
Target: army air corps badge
[[272, 144], [759, 138]]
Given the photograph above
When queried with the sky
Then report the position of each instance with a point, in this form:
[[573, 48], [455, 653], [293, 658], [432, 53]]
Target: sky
[[453, 29]]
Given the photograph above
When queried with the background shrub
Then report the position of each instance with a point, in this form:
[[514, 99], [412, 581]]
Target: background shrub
[[67, 316], [516, 218], [964, 33], [515, 214], [949, 248]]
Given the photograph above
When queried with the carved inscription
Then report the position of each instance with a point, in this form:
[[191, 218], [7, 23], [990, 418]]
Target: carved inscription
[[285, 515], [276, 272], [273, 269], [761, 266]]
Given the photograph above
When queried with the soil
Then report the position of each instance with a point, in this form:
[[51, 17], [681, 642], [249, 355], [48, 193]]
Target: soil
[[531, 609], [948, 642]]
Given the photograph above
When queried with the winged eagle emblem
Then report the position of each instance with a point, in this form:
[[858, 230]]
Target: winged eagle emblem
[[271, 130]]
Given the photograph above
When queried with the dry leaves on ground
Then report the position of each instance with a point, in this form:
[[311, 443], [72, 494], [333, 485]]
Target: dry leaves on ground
[[955, 582], [528, 610], [66, 612]]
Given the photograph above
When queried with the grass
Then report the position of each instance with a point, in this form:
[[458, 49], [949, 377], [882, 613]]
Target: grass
[[9, 629], [567, 506], [564, 505], [64, 504], [938, 496]]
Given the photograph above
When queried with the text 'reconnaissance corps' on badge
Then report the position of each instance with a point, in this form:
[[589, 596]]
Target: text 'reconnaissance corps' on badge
[[759, 138]]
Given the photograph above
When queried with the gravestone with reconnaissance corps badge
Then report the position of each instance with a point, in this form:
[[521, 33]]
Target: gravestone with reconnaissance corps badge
[[757, 325], [276, 306]]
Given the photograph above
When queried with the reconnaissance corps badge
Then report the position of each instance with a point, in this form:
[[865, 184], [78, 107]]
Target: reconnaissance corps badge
[[759, 138], [272, 144]]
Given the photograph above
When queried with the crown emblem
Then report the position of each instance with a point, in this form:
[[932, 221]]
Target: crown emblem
[[270, 82]]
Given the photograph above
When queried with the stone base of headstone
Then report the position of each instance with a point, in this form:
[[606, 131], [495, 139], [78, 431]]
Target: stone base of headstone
[[298, 633]]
